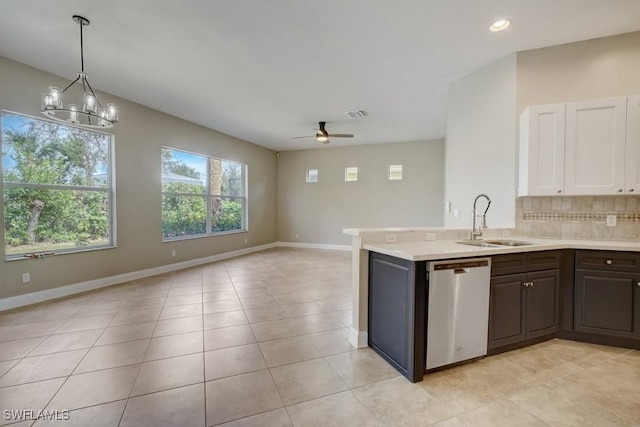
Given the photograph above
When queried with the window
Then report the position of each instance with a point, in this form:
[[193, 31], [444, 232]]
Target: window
[[395, 172], [351, 173], [57, 187], [312, 175], [201, 195]]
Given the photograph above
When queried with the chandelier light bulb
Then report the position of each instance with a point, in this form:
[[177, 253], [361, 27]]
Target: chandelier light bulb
[[112, 112], [90, 103], [73, 113]]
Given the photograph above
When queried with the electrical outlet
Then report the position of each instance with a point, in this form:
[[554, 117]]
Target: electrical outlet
[[391, 238], [246, 241], [612, 220], [297, 236], [26, 277], [173, 252], [431, 236], [456, 213]]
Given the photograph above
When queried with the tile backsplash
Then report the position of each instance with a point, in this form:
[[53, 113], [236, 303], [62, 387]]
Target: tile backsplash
[[579, 217]]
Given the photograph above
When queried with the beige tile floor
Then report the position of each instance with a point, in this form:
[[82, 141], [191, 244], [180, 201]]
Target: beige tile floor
[[260, 340]]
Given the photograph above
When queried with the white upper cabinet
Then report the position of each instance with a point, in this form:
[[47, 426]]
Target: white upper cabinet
[[595, 146], [632, 167], [542, 150]]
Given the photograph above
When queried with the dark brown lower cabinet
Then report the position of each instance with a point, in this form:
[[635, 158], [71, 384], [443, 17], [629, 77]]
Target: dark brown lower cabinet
[[542, 298], [523, 306], [607, 303], [397, 316]]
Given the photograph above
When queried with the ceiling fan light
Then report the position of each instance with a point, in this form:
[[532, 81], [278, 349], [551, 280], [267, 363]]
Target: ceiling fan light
[[321, 137]]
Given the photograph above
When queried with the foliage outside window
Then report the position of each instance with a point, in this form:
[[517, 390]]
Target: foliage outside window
[[56, 187], [201, 195], [351, 173]]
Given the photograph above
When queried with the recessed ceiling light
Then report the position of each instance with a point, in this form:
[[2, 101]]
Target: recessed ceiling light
[[499, 25]]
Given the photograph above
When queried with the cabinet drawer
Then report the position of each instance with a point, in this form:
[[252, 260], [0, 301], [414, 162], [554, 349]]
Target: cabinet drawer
[[523, 262], [608, 261], [545, 260], [508, 264]]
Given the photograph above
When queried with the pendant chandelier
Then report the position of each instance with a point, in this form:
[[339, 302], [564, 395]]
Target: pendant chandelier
[[92, 114]]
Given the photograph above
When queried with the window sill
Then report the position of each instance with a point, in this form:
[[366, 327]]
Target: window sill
[[200, 236], [21, 257]]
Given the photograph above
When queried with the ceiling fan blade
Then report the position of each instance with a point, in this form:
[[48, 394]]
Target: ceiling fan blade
[[340, 135], [302, 137]]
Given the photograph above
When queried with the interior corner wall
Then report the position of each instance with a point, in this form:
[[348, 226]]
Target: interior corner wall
[[480, 148], [317, 212], [591, 69], [138, 138]]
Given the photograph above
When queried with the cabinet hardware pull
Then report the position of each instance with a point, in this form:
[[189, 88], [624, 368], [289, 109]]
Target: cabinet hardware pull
[[559, 191], [530, 283], [609, 262], [620, 190], [631, 190]]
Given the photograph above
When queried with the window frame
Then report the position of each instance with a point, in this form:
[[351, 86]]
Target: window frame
[[391, 175], [110, 190], [209, 197], [317, 176], [351, 170]]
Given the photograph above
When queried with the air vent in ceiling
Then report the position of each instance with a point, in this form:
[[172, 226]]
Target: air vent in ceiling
[[360, 114]]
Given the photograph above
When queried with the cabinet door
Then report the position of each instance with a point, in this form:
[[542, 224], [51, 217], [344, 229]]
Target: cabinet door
[[607, 303], [506, 320], [397, 312], [542, 141], [632, 167], [595, 146], [541, 311]]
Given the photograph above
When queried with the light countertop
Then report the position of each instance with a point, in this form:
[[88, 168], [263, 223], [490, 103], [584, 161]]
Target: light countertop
[[448, 249]]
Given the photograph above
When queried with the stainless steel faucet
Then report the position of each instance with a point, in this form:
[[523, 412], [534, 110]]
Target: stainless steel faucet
[[477, 231]]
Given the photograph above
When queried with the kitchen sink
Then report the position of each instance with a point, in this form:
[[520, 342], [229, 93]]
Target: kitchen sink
[[480, 243], [494, 243], [509, 243]]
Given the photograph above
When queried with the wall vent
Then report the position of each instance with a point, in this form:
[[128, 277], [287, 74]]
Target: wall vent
[[360, 114]]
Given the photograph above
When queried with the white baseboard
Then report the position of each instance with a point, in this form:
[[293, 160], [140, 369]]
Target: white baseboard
[[314, 246], [63, 291], [358, 339]]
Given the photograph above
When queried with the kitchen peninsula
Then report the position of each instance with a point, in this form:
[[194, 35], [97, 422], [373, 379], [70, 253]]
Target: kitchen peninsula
[[594, 276]]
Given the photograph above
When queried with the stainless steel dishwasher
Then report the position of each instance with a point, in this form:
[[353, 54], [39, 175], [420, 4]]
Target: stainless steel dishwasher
[[458, 310]]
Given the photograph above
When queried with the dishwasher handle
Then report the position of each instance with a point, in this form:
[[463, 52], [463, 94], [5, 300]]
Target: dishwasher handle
[[463, 265]]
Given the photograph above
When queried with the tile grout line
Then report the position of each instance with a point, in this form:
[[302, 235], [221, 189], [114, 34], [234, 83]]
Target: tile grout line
[[124, 410]]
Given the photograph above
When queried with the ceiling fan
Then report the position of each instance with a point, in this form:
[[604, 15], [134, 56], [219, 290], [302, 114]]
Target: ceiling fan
[[323, 136]]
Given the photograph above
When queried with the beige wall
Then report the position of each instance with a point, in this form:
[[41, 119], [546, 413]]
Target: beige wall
[[318, 212], [480, 149], [598, 68], [138, 138]]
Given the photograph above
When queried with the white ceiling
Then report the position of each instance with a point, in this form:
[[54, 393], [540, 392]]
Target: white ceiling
[[269, 70]]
